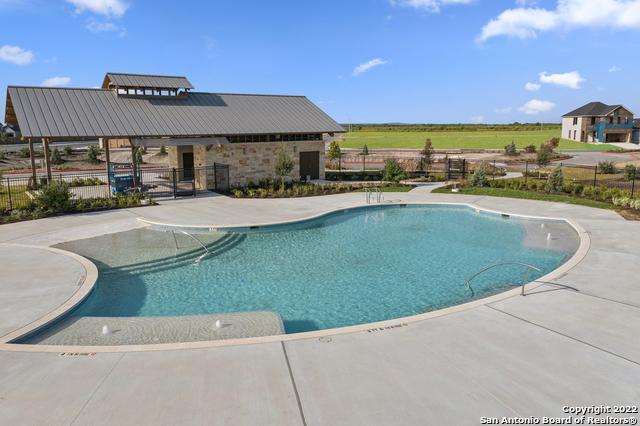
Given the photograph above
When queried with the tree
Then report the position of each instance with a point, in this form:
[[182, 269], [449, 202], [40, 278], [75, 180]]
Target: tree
[[426, 156], [393, 171], [283, 164], [92, 153], [56, 157], [511, 149], [138, 157], [163, 150], [364, 153], [543, 156], [555, 181], [334, 151]]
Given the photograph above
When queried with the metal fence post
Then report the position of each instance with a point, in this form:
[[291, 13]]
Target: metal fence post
[[9, 192], [526, 171], [493, 172], [175, 183], [595, 174], [633, 182], [193, 184]]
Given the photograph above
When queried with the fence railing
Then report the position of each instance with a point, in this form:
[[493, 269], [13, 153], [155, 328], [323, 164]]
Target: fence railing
[[18, 191]]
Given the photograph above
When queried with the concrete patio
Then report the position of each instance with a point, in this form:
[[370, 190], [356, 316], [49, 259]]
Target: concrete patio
[[518, 356]]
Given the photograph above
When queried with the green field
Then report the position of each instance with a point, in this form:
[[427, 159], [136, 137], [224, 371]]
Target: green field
[[456, 139]]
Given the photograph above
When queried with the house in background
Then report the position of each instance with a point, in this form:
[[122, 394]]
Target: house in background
[[239, 131], [635, 138], [598, 122]]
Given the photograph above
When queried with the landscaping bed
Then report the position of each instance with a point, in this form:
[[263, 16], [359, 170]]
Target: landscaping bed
[[271, 189]]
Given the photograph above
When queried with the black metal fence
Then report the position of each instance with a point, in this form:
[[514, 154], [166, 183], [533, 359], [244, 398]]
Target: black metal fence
[[18, 191], [606, 175]]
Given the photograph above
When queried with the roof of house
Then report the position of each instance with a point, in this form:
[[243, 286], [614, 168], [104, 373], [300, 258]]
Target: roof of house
[[592, 109], [146, 81], [42, 112]]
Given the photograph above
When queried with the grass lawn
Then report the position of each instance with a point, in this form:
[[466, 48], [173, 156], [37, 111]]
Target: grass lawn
[[530, 195], [479, 139]]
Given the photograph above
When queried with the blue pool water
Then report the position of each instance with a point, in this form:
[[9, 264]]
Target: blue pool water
[[347, 268]]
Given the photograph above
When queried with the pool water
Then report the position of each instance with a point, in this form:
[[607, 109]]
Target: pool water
[[351, 267]]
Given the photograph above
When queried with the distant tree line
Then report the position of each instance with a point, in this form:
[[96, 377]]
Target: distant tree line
[[452, 127]]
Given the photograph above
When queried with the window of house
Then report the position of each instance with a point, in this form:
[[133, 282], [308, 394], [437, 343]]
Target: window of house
[[610, 120], [619, 120], [575, 121], [593, 120]]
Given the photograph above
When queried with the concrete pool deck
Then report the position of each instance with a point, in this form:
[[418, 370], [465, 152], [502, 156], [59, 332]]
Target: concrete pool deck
[[518, 356]]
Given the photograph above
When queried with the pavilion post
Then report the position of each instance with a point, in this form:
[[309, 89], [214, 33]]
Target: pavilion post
[[34, 174], [47, 159], [107, 159], [134, 166]]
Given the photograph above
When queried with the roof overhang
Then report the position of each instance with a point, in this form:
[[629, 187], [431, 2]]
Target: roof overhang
[[156, 142]]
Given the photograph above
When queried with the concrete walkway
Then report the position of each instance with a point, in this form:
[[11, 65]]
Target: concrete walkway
[[520, 356]]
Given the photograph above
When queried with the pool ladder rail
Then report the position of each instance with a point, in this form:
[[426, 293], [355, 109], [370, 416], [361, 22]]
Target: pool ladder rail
[[373, 194], [525, 278]]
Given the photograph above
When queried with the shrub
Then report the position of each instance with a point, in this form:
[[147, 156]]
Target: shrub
[[393, 171], [553, 142], [511, 149], [68, 150], [530, 149], [555, 181], [3, 155], [92, 153], [578, 188], [607, 167], [54, 198], [631, 172], [163, 150], [138, 155], [479, 178], [56, 157], [24, 153]]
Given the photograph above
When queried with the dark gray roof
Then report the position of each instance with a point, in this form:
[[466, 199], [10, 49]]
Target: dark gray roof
[[149, 81], [592, 109], [64, 112]]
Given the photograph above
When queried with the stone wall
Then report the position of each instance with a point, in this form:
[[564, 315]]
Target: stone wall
[[248, 161]]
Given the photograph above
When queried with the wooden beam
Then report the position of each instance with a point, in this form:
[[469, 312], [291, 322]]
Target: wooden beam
[[47, 159], [34, 175]]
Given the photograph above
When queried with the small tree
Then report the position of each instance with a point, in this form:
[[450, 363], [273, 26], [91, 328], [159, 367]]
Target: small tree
[[554, 142], [68, 150], [631, 172], [92, 153], [555, 181], [364, 153], [479, 178], [393, 171], [426, 156], [543, 156], [138, 157], [163, 150], [333, 153], [283, 164], [56, 157]]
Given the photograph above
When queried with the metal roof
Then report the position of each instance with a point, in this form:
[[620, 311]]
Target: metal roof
[[592, 109], [43, 112], [148, 81]]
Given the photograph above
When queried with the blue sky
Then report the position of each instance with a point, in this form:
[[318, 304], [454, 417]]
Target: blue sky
[[427, 61]]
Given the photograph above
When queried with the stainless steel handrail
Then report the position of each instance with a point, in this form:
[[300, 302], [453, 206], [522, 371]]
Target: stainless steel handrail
[[206, 250], [525, 278], [368, 190]]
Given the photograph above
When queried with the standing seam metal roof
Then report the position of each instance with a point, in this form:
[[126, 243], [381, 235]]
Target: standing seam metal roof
[[44, 112], [149, 81]]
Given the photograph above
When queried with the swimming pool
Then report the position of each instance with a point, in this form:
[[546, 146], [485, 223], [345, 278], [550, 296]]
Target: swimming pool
[[350, 267]]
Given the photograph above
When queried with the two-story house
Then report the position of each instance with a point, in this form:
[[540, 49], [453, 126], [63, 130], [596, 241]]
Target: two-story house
[[598, 122]]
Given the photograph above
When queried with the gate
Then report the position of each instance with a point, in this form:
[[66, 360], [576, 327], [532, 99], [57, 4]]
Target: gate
[[220, 177], [456, 168]]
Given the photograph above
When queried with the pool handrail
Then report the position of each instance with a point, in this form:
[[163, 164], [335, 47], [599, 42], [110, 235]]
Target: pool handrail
[[525, 278]]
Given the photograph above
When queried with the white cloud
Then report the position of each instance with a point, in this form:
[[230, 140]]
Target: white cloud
[[535, 106], [16, 55], [105, 27], [504, 110], [107, 8], [56, 82], [532, 87], [615, 68], [528, 22], [571, 79], [477, 119], [428, 5], [362, 68]]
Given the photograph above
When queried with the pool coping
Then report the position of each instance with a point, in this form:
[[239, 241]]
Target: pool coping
[[91, 279]]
